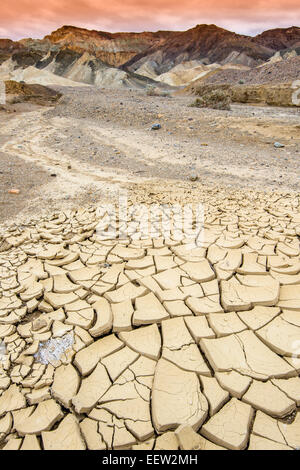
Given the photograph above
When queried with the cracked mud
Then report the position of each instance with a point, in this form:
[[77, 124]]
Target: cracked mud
[[147, 343]]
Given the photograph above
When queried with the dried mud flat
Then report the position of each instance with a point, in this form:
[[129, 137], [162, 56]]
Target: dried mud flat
[[147, 343]]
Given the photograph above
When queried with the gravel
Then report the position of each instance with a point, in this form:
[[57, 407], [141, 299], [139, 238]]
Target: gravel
[[233, 148], [280, 72]]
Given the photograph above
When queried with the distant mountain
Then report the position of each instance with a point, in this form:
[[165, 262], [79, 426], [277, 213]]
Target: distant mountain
[[44, 62], [136, 59], [7, 48], [278, 39], [208, 43], [112, 48]]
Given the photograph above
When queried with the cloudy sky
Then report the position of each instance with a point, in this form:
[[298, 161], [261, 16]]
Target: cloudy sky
[[36, 18]]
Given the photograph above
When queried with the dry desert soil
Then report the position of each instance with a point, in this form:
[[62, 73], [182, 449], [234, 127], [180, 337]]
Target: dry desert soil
[[149, 342], [95, 141]]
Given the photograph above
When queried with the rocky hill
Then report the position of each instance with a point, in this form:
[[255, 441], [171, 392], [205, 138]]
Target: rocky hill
[[280, 38], [112, 48], [7, 48], [139, 59], [204, 42], [208, 43], [45, 63]]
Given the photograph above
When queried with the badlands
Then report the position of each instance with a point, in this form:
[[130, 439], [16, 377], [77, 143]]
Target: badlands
[[148, 341]]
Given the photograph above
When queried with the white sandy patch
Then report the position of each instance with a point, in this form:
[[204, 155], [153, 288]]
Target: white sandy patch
[[32, 75]]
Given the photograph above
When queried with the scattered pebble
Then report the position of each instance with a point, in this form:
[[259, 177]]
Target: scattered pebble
[[155, 127], [278, 145], [14, 191]]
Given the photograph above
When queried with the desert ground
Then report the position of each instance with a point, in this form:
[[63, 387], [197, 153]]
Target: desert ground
[[146, 342], [95, 141]]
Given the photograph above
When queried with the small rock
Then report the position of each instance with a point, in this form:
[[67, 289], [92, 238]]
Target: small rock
[[14, 191], [278, 145], [193, 177], [155, 127]]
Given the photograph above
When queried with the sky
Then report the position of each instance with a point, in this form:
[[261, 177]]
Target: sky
[[36, 18]]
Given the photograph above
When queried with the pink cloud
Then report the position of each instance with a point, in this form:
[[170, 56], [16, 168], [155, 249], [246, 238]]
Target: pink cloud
[[33, 18]]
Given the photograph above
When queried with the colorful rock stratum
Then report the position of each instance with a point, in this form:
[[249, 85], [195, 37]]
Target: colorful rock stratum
[[147, 343]]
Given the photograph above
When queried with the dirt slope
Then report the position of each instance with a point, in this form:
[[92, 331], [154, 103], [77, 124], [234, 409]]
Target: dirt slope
[[38, 94]]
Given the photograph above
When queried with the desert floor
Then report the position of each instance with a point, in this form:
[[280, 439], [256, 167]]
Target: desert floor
[[95, 141], [149, 342]]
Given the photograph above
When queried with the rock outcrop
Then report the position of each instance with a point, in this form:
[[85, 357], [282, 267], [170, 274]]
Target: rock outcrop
[[280, 94], [21, 92]]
